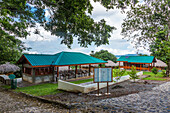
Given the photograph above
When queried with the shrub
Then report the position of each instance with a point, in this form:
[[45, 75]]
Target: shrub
[[18, 74], [118, 73], [163, 73], [133, 73], [154, 70]]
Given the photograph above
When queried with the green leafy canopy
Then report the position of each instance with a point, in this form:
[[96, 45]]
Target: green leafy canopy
[[68, 19], [148, 24], [104, 55]]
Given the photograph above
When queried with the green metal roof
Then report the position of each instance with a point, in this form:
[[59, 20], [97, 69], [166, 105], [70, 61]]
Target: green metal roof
[[137, 59], [39, 59], [62, 58]]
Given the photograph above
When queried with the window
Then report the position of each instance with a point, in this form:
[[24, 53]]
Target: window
[[27, 70], [43, 71]]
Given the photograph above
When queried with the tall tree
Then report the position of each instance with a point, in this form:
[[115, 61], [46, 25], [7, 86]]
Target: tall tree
[[15, 17], [161, 48], [145, 21], [67, 19], [104, 55]]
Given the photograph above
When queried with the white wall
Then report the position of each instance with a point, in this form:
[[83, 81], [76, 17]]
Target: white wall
[[67, 86]]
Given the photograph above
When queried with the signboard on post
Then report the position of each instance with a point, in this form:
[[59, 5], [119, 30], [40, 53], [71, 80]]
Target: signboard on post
[[103, 75]]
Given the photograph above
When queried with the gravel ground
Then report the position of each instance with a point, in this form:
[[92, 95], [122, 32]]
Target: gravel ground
[[116, 90], [157, 100]]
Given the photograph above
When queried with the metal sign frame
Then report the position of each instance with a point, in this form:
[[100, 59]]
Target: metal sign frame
[[103, 81]]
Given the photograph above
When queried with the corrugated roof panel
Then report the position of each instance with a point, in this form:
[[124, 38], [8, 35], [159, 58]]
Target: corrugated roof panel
[[70, 58], [39, 59]]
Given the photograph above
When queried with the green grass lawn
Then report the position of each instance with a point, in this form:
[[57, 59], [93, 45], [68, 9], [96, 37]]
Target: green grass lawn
[[153, 77], [7, 86], [40, 89]]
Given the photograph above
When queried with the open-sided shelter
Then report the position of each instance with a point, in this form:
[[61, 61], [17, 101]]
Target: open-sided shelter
[[140, 62], [38, 68]]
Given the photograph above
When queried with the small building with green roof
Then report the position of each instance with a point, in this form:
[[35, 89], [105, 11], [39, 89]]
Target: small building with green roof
[[140, 62], [37, 68]]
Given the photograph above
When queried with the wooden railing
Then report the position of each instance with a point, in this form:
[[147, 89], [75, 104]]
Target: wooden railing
[[138, 68]]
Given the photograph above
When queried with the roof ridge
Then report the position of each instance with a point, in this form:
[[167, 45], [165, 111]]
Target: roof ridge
[[91, 57], [137, 56], [40, 54], [58, 59]]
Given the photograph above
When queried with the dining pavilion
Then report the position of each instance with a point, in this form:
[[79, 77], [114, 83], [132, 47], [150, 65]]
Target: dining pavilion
[[37, 68], [140, 62]]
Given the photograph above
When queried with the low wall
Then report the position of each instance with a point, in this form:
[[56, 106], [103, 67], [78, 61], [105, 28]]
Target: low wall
[[44, 78], [27, 78], [38, 79], [67, 86]]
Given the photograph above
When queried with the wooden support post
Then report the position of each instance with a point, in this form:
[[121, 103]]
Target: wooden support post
[[98, 88], [140, 67], [151, 66], [148, 67], [107, 87], [119, 64], [89, 69], [57, 72], [100, 65], [75, 71], [79, 66], [54, 78], [33, 75], [68, 67], [22, 71]]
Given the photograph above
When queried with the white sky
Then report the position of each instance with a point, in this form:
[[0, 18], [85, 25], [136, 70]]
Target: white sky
[[118, 46]]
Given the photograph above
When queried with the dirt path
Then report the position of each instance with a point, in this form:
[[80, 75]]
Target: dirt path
[[13, 103]]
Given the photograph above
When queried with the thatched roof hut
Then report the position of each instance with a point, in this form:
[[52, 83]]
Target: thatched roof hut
[[8, 68], [109, 64], [112, 64], [160, 63]]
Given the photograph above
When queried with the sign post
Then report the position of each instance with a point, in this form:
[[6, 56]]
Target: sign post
[[103, 75], [13, 83]]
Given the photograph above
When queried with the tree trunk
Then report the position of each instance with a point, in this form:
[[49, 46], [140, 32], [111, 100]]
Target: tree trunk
[[168, 69]]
